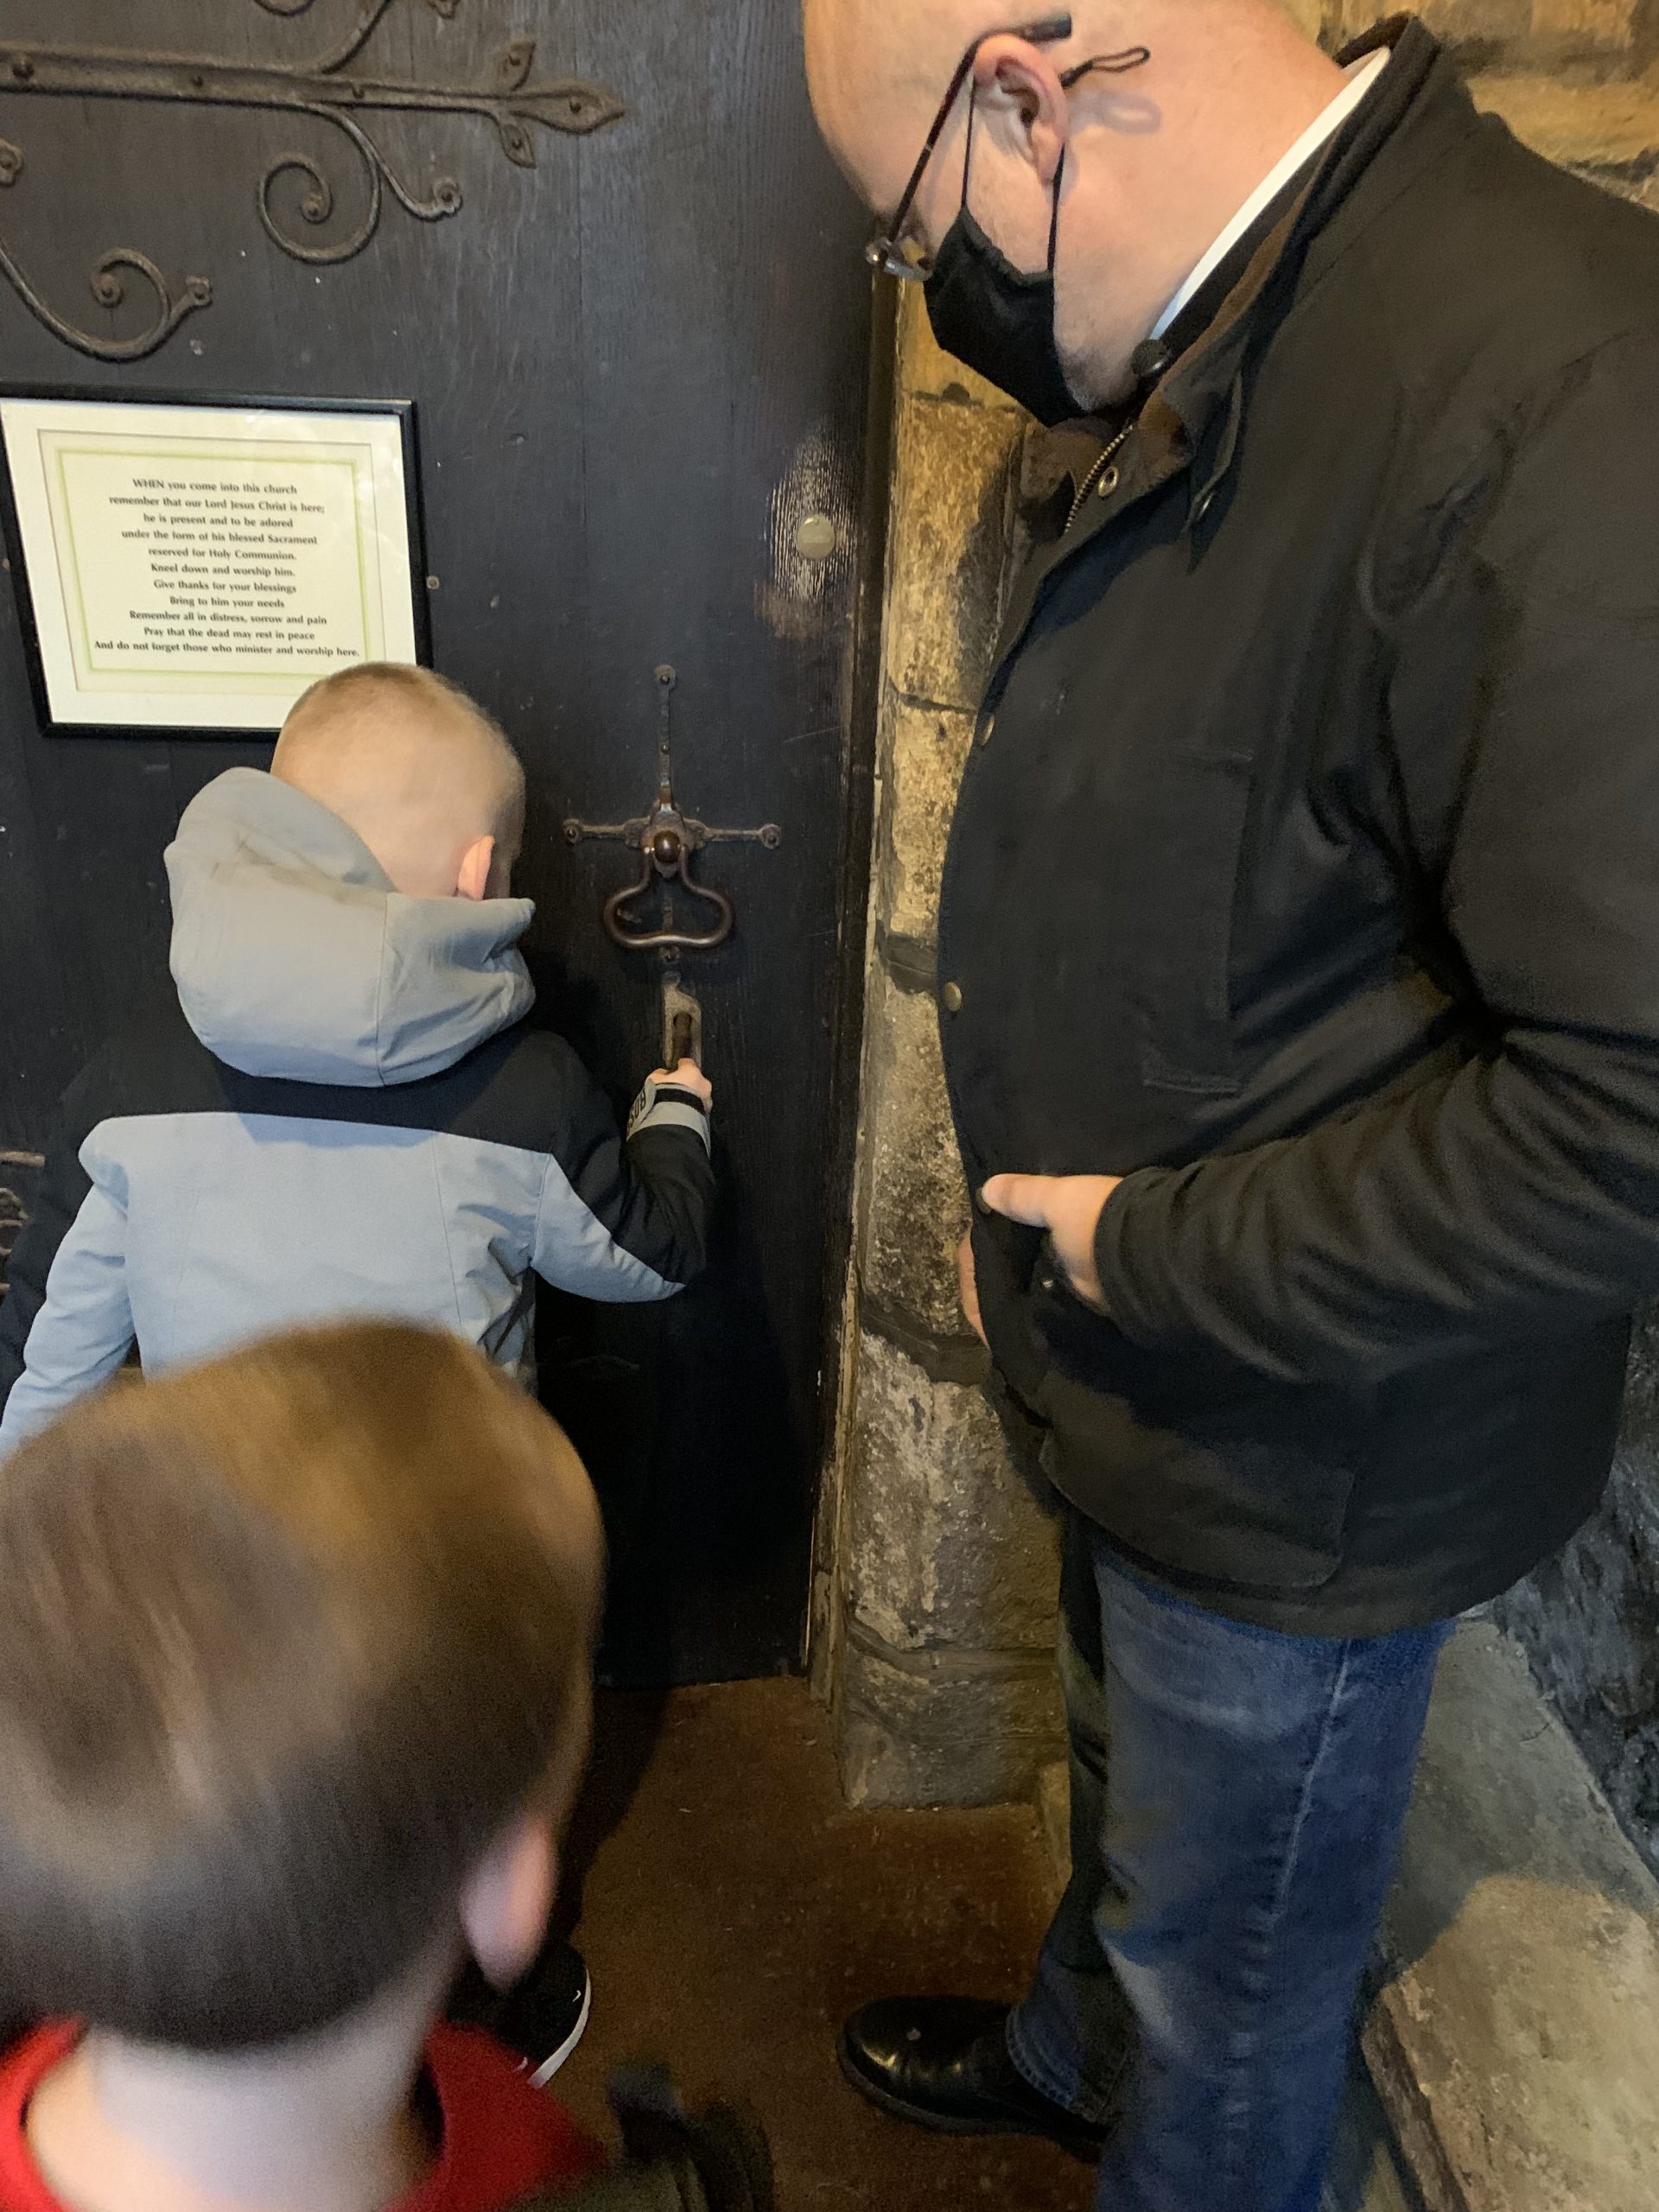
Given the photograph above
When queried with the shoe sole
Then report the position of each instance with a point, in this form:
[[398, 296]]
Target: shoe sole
[[1086, 2149], [551, 2066]]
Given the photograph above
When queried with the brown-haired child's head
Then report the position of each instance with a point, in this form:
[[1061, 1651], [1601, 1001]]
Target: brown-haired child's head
[[290, 1641], [428, 780]]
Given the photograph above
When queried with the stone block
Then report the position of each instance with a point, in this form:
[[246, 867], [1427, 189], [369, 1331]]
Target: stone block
[[942, 1728], [946, 1544], [1054, 1817], [926, 749], [1515, 2042], [1585, 126], [917, 1200], [925, 370], [1520, 33], [952, 488], [1343, 20], [1503, 23], [1589, 1618], [1584, 26]]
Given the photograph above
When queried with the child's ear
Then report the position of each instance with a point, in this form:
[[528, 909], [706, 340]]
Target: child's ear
[[508, 1896], [473, 879]]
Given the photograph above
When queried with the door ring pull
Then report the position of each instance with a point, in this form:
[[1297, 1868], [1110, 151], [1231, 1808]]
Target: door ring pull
[[665, 851], [666, 840]]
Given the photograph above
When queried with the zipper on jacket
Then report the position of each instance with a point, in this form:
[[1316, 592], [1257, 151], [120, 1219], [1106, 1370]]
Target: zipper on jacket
[[1094, 477]]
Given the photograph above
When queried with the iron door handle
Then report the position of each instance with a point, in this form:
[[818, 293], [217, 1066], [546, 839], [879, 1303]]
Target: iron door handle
[[666, 839], [664, 852]]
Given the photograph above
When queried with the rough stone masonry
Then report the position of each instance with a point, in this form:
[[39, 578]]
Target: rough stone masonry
[[937, 1606]]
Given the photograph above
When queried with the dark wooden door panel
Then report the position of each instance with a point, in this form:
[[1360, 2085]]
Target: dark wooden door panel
[[638, 367]]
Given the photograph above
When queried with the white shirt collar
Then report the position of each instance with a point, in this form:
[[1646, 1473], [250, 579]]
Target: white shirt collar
[[1323, 127]]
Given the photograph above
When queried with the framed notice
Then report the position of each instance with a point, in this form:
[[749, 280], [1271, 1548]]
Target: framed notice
[[192, 565]]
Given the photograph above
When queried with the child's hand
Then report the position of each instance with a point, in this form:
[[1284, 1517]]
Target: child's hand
[[688, 1076]]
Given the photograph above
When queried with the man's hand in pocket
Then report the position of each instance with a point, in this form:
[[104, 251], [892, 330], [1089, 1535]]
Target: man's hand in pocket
[[1068, 1208]]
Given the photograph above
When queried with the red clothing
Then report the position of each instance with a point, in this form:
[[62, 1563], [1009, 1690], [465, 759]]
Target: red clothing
[[501, 2138]]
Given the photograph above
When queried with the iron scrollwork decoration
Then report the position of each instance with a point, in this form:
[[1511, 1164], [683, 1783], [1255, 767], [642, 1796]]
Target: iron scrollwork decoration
[[325, 86], [666, 840]]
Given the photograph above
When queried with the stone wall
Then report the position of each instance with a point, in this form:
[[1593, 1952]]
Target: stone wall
[[1579, 80], [944, 1572], [936, 1600], [1589, 1619]]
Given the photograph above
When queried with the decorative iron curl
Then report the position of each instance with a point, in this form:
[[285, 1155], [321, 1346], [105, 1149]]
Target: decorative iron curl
[[108, 289], [447, 9], [358, 37], [317, 205], [323, 86]]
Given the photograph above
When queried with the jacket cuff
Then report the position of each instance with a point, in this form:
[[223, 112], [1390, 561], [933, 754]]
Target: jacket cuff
[[665, 1106], [1129, 1257]]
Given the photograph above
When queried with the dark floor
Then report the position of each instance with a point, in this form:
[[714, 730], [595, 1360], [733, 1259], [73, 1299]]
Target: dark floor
[[734, 1911]]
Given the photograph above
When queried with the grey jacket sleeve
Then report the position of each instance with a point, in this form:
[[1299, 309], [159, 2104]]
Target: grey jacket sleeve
[[623, 1220], [66, 1324], [1518, 1192]]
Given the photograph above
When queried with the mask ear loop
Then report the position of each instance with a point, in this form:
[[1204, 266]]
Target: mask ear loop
[[1111, 64], [1114, 65]]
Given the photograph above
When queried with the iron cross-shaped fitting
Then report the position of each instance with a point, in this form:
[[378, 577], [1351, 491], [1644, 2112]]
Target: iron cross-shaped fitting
[[666, 838]]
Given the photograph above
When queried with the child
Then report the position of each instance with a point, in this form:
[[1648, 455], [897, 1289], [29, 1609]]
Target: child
[[294, 1695], [345, 1113]]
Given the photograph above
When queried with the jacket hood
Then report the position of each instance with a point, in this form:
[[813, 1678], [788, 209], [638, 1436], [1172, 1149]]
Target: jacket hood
[[294, 956]]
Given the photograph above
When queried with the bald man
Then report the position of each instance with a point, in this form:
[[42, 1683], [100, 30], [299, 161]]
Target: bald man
[[1298, 976]]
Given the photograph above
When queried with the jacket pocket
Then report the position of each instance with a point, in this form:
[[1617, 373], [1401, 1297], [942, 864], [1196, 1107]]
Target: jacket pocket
[[1189, 870], [1193, 1463]]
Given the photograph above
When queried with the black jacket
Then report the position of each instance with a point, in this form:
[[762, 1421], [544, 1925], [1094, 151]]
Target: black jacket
[[187, 1206], [1307, 874]]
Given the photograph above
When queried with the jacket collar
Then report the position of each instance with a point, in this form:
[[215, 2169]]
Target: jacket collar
[[1366, 165], [1195, 406]]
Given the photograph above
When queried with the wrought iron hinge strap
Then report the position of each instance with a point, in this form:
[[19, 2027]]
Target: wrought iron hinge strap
[[323, 86]]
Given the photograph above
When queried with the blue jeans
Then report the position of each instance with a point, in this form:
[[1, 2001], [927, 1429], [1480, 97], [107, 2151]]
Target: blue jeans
[[1230, 1858]]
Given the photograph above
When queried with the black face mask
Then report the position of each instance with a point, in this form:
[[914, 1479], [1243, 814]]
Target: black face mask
[[998, 319]]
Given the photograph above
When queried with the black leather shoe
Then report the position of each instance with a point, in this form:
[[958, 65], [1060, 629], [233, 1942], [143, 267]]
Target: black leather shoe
[[943, 2062]]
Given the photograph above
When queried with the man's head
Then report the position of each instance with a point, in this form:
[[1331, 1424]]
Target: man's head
[[1149, 165], [294, 1686], [426, 779]]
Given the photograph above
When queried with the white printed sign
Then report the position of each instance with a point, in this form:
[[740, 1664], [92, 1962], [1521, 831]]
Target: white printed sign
[[196, 568]]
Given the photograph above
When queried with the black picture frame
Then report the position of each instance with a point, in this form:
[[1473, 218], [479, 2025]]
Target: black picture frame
[[401, 410]]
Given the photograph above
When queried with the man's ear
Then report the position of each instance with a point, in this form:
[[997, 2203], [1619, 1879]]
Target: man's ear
[[1021, 95], [508, 1896], [473, 879]]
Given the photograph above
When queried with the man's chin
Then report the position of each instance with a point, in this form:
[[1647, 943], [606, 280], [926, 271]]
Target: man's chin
[[1097, 386]]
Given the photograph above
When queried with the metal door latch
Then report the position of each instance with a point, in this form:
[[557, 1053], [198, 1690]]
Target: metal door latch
[[666, 838]]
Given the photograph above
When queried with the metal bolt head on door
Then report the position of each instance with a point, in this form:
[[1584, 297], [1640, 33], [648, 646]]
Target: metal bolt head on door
[[814, 538]]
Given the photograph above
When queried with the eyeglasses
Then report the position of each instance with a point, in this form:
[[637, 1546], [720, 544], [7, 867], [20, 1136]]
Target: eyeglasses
[[901, 256]]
